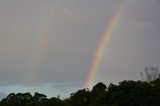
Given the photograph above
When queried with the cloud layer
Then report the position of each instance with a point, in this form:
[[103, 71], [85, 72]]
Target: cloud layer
[[53, 42]]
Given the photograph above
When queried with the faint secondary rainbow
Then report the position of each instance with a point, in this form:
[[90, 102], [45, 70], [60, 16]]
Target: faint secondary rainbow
[[39, 47], [99, 52]]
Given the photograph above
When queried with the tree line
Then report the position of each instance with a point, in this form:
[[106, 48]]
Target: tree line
[[126, 93]]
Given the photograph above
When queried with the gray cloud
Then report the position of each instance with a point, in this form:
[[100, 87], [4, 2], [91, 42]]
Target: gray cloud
[[70, 32]]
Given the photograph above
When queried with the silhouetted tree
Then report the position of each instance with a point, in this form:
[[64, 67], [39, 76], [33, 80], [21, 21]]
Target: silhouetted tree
[[98, 90], [130, 93], [126, 93], [80, 98], [38, 97], [150, 73]]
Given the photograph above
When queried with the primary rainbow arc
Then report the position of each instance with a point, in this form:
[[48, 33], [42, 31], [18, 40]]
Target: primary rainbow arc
[[99, 52]]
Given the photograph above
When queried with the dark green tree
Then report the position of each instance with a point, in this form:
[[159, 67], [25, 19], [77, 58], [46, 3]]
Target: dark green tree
[[97, 92], [80, 98]]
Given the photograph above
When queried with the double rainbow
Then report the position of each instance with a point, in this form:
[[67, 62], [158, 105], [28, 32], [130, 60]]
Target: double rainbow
[[40, 45]]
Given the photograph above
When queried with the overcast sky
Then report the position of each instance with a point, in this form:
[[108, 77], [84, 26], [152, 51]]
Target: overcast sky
[[48, 45]]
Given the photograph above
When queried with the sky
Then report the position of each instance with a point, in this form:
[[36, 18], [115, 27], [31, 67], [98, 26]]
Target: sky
[[47, 46]]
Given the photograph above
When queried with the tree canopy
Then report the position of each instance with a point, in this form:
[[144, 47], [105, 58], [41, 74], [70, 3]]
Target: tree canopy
[[126, 93]]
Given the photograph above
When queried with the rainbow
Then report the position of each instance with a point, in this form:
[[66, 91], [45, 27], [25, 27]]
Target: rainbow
[[99, 52], [39, 47]]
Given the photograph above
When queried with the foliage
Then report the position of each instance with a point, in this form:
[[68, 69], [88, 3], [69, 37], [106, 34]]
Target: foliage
[[150, 73], [126, 93]]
